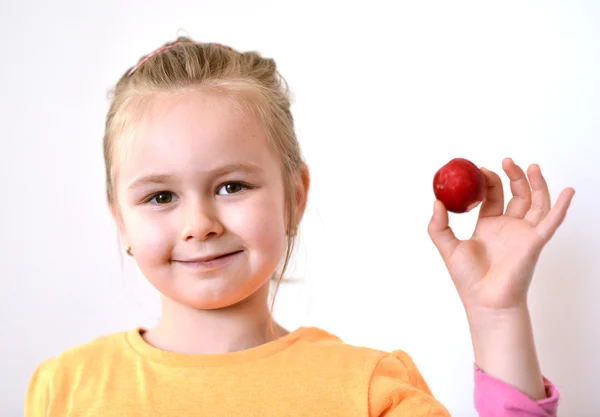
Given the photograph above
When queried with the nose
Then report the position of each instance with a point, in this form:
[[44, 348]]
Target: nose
[[200, 221]]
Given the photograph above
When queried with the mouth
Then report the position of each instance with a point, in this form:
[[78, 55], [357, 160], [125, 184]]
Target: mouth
[[205, 260], [214, 258]]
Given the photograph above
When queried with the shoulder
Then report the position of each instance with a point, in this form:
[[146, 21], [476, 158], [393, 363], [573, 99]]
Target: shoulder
[[62, 370], [86, 355], [393, 380], [104, 345], [331, 348], [320, 342]]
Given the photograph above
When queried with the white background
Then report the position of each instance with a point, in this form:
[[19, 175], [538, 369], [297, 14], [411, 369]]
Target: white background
[[385, 93]]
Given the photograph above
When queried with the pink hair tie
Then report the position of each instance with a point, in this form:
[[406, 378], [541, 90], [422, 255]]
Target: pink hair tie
[[150, 55], [164, 48]]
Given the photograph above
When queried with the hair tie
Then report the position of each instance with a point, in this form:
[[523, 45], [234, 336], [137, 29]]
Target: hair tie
[[164, 48], [150, 55]]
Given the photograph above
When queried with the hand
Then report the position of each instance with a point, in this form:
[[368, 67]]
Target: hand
[[492, 270]]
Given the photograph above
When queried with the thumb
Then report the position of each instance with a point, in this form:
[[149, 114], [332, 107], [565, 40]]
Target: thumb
[[441, 233]]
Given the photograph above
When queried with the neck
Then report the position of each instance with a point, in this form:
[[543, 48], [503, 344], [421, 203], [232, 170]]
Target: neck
[[242, 326]]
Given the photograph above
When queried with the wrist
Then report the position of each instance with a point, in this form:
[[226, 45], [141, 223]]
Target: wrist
[[492, 319], [504, 348]]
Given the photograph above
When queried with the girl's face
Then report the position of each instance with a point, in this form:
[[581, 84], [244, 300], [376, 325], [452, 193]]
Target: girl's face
[[201, 201]]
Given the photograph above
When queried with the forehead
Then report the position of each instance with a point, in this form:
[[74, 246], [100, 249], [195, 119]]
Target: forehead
[[195, 129]]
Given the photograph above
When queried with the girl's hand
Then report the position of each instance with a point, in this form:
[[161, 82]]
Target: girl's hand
[[493, 269]]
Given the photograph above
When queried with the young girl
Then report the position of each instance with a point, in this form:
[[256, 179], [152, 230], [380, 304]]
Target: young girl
[[207, 186]]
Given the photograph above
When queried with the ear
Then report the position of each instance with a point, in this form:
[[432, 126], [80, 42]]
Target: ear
[[116, 215], [301, 187]]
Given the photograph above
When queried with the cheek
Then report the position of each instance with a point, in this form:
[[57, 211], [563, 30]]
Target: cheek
[[260, 224], [148, 235]]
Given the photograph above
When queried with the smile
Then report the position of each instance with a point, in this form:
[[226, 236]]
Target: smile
[[211, 263]]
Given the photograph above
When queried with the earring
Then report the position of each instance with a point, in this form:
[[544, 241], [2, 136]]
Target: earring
[[293, 232], [128, 251]]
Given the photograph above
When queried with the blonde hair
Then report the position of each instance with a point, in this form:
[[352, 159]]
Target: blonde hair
[[250, 79]]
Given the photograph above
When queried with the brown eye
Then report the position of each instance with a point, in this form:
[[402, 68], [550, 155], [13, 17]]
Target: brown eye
[[232, 188], [164, 197]]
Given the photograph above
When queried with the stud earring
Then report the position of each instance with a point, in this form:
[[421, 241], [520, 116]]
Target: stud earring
[[128, 251]]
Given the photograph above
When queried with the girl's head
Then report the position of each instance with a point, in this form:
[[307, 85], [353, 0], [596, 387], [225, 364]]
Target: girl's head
[[202, 160]]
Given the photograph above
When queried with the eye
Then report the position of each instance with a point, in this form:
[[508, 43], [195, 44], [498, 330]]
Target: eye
[[232, 188], [164, 197]]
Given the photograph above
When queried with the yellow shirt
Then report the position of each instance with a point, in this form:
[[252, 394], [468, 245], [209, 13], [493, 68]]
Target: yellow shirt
[[308, 372]]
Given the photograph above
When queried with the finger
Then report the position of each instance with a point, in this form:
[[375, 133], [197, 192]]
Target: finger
[[540, 201], [493, 203], [441, 233], [557, 214], [520, 202]]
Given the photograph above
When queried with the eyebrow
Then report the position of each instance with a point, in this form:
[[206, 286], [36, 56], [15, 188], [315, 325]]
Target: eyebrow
[[218, 172]]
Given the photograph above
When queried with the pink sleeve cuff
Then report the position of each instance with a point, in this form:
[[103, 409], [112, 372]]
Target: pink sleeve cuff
[[494, 398]]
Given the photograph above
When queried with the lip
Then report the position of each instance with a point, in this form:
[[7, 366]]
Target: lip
[[208, 258], [210, 262]]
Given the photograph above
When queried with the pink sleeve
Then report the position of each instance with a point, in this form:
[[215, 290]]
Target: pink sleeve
[[494, 398]]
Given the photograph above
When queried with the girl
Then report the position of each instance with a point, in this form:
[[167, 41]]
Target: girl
[[207, 186]]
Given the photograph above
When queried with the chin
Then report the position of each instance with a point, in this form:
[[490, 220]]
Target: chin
[[217, 294]]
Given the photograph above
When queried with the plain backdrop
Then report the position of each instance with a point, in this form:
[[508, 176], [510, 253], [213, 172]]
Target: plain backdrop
[[385, 93]]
